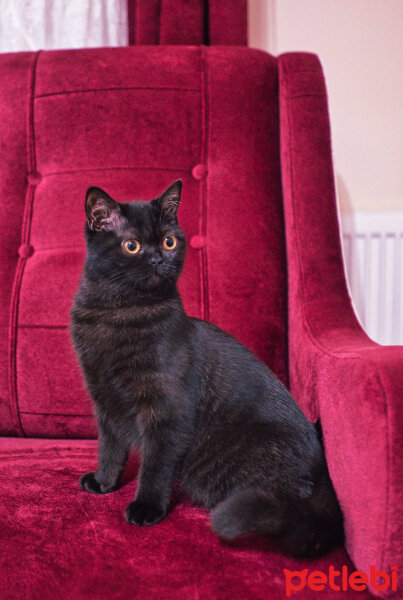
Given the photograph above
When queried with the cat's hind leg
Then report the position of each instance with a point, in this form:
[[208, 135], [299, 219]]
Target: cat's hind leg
[[301, 527], [248, 511]]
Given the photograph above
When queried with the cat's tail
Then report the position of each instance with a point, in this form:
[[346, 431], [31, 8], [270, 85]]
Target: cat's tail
[[299, 529]]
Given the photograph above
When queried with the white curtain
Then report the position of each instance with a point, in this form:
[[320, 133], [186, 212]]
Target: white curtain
[[49, 24]]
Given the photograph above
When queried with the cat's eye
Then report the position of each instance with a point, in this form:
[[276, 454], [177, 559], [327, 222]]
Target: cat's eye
[[170, 242], [131, 246]]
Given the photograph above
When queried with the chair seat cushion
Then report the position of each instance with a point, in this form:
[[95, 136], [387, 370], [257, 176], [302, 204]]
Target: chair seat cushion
[[60, 542]]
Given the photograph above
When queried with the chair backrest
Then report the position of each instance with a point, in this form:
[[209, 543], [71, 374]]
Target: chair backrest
[[131, 121]]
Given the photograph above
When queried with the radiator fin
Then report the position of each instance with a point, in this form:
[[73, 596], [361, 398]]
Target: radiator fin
[[373, 257]]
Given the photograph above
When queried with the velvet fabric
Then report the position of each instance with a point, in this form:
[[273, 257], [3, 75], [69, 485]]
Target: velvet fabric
[[181, 120], [353, 385], [249, 136], [59, 542], [187, 22]]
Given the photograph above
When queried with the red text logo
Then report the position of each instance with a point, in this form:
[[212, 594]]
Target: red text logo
[[340, 580]]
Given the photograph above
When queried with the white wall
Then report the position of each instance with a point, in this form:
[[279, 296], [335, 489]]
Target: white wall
[[360, 45]]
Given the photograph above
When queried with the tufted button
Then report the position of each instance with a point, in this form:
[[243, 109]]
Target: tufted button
[[34, 178], [199, 171], [198, 242], [25, 250]]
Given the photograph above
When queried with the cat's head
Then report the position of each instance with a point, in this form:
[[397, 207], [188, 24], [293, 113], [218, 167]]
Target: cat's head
[[137, 247]]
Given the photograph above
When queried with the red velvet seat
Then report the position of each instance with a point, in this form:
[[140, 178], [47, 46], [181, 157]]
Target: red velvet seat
[[248, 135], [58, 542]]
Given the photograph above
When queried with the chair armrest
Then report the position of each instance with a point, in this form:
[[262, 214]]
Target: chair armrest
[[337, 373], [321, 317], [360, 393]]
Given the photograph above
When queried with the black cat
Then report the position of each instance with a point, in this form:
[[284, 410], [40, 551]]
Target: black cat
[[196, 403]]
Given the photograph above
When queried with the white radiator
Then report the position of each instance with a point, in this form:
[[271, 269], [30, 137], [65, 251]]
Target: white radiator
[[373, 257]]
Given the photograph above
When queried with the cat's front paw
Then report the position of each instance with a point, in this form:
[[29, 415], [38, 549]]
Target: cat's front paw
[[140, 513], [89, 483]]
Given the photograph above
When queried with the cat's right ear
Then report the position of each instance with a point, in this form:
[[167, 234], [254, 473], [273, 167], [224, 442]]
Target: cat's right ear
[[103, 213], [168, 202]]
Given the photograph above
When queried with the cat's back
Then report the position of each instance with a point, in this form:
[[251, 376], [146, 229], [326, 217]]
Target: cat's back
[[239, 386], [214, 338], [229, 358], [247, 416]]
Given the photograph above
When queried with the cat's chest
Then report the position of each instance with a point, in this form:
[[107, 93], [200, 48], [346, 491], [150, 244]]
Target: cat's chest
[[125, 359], [111, 335]]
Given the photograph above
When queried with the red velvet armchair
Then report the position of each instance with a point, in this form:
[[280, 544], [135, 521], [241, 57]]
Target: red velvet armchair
[[249, 136]]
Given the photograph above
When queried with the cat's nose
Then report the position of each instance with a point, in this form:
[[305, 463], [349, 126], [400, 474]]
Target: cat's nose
[[155, 260]]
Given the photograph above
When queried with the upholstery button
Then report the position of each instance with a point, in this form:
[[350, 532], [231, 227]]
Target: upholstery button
[[198, 242], [25, 250], [34, 177], [199, 171]]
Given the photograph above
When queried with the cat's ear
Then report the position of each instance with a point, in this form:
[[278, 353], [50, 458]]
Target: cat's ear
[[169, 201], [103, 213]]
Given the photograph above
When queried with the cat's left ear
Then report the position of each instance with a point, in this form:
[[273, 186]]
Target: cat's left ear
[[103, 213], [169, 201]]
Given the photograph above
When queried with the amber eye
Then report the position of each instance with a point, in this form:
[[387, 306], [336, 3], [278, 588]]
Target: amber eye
[[170, 242], [131, 246]]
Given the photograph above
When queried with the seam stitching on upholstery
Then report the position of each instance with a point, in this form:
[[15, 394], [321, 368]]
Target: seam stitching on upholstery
[[49, 414], [32, 146], [135, 10], [295, 96], [159, 22], [72, 171], [201, 265], [206, 23], [12, 346], [202, 188], [287, 325], [207, 115], [25, 229], [117, 89], [76, 453], [388, 469], [314, 405], [58, 248], [43, 326]]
